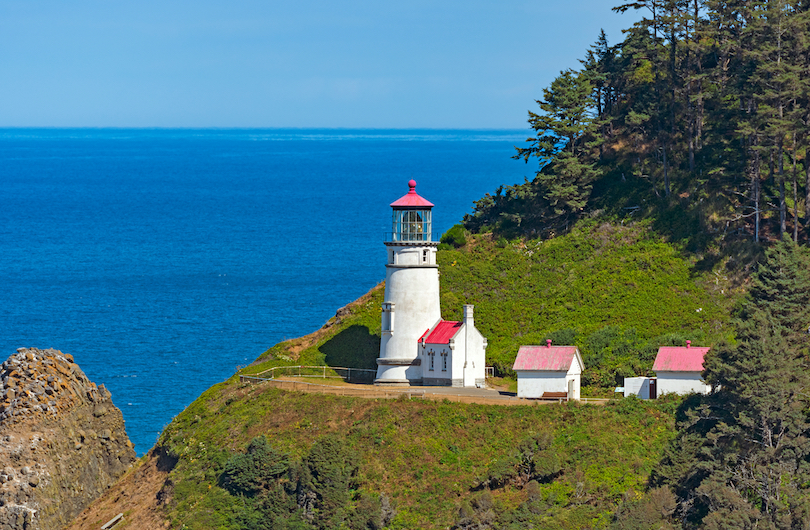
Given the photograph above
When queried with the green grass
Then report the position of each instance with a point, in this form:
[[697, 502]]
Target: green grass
[[615, 291], [426, 456]]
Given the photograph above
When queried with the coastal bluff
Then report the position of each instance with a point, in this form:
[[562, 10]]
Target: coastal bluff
[[62, 441]]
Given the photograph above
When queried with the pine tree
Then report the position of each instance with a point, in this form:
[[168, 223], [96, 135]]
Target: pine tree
[[561, 131], [741, 457]]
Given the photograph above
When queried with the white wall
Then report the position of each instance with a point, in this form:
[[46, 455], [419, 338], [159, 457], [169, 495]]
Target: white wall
[[414, 291], [681, 383], [532, 384], [476, 356], [574, 374], [637, 386], [437, 372]]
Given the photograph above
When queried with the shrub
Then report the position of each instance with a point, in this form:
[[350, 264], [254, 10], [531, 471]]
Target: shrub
[[333, 468], [255, 470], [454, 237], [533, 460]]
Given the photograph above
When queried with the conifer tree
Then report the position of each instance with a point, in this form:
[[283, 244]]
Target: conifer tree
[[741, 458], [561, 131]]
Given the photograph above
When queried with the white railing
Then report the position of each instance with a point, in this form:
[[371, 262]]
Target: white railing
[[324, 372]]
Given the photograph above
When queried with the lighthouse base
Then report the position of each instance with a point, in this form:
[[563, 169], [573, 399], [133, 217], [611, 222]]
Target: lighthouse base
[[397, 382], [399, 372]]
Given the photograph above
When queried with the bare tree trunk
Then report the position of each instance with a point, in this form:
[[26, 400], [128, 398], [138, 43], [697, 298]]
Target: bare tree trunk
[[806, 186], [782, 201], [666, 174], [754, 164], [691, 133], [795, 195]]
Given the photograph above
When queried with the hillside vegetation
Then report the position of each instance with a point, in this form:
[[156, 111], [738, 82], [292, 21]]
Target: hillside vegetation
[[404, 464], [617, 291]]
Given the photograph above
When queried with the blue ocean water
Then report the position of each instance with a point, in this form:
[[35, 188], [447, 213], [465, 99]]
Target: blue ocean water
[[163, 259]]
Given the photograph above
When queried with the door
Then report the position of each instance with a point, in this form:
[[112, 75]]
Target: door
[[653, 389]]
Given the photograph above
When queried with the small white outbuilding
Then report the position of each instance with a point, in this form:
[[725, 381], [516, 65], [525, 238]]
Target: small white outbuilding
[[548, 371], [679, 370]]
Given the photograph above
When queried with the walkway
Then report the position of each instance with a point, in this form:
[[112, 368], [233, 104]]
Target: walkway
[[483, 396]]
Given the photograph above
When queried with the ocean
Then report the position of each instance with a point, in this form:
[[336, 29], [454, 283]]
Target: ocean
[[163, 259]]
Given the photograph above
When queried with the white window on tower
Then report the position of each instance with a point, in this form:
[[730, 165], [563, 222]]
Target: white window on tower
[[424, 256]]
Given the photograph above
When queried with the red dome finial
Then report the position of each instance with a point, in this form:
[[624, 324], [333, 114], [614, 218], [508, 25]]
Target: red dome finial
[[412, 186]]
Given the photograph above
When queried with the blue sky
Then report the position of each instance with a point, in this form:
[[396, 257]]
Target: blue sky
[[309, 63]]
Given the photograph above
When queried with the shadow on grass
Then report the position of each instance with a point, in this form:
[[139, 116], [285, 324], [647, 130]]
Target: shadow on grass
[[354, 347]]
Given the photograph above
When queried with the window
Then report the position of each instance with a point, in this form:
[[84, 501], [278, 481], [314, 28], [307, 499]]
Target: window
[[424, 256], [412, 225], [444, 361], [431, 354]]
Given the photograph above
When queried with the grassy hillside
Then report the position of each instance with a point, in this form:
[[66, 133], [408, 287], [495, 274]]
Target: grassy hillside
[[617, 291], [553, 466]]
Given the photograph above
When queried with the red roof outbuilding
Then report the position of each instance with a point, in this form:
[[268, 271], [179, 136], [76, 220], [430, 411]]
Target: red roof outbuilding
[[546, 358], [680, 358], [411, 199], [442, 333]]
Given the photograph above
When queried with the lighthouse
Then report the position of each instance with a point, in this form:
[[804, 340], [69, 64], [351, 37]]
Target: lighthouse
[[411, 305]]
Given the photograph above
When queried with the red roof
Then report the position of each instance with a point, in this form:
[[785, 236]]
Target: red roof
[[411, 199], [679, 359], [442, 333], [547, 358]]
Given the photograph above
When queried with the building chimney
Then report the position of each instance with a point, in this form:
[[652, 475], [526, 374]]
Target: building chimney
[[548, 343], [468, 315], [689, 344]]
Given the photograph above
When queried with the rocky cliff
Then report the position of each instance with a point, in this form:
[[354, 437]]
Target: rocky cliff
[[62, 441]]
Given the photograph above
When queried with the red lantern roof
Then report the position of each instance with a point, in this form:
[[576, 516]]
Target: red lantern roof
[[411, 200]]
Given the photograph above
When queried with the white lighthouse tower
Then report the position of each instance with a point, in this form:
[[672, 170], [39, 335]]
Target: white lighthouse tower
[[411, 305]]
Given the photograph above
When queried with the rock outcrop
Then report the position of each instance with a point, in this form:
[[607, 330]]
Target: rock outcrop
[[62, 441]]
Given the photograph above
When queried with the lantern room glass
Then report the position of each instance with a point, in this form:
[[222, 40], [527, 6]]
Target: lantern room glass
[[412, 225]]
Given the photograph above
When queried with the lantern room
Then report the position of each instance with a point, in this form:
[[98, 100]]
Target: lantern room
[[412, 220]]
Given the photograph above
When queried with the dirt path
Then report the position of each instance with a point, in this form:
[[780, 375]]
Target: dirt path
[[483, 396]]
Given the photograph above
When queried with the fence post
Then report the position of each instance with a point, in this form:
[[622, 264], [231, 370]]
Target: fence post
[[324, 371]]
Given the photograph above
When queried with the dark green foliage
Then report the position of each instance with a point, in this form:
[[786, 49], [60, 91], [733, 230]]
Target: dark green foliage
[[697, 119], [333, 468], [371, 511], [741, 455], [533, 460], [655, 509], [455, 237], [476, 513], [318, 492], [255, 470]]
